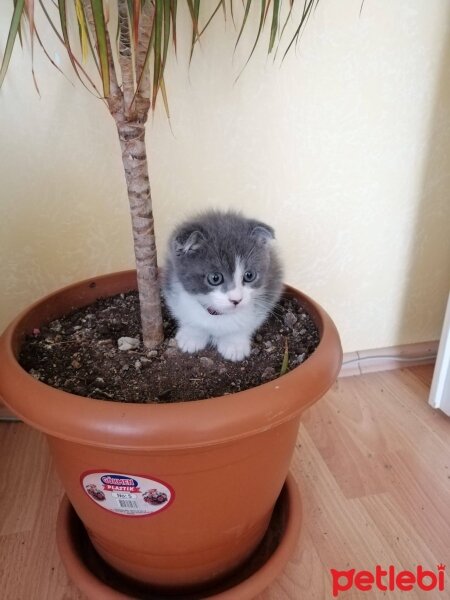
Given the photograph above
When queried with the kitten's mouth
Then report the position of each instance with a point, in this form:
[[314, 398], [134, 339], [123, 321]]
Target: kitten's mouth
[[212, 311]]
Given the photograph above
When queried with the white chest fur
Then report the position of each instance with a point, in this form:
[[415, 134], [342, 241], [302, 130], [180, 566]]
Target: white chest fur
[[230, 332]]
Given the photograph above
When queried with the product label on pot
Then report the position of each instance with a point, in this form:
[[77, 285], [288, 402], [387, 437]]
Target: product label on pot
[[125, 494]]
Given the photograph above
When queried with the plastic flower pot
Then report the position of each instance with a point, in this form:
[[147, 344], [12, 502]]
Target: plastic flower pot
[[171, 495], [100, 582]]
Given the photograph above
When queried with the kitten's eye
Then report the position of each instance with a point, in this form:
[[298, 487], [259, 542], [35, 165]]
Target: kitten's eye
[[249, 276], [215, 278]]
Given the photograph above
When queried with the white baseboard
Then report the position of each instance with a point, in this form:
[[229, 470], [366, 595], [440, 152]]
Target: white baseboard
[[385, 359]]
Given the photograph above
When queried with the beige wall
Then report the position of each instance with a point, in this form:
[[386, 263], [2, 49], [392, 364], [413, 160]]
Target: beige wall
[[345, 150]]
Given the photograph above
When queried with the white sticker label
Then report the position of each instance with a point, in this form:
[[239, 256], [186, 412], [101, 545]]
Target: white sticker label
[[128, 495]]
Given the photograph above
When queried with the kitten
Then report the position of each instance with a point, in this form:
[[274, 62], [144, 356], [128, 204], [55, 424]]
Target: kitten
[[221, 281]]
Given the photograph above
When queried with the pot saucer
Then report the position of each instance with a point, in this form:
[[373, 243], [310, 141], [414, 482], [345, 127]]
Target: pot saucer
[[100, 582]]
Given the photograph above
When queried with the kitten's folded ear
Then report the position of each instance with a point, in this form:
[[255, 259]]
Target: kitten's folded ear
[[261, 232], [188, 242]]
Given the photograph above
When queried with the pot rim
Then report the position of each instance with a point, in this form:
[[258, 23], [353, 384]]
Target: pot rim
[[172, 426]]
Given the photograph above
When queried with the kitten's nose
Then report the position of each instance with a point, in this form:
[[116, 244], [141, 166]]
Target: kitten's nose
[[235, 302]]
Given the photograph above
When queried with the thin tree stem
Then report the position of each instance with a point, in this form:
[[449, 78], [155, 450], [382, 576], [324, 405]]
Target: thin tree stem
[[134, 157]]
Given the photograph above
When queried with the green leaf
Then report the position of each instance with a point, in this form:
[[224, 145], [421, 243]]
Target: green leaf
[[274, 26], [82, 30], [75, 64], [232, 13], [29, 11], [306, 12], [287, 20], [102, 46], [166, 34], [266, 10], [14, 28], [285, 364], [29, 4], [261, 24], [64, 29], [157, 28], [173, 16], [19, 33], [97, 41], [221, 4], [247, 10], [164, 96], [194, 9]]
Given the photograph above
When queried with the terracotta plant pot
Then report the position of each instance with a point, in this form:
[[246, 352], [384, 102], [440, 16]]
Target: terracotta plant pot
[[99, 582], [174, 495]]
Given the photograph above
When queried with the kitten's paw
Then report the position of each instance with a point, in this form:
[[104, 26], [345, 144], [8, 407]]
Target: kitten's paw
[[191, 340], [234, 349]]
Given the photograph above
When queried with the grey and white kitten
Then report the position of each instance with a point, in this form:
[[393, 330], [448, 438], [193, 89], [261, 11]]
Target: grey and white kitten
[[221, 281]]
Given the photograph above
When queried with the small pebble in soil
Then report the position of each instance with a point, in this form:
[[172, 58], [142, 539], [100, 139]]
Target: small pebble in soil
[[207, 362], [268, 373], [97, 352], [290, 319], [128, 343]]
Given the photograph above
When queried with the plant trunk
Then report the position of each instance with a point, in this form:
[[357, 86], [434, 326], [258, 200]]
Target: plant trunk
[[134, 157], [130, 121]]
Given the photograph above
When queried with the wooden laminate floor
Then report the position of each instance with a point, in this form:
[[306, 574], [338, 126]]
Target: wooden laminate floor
[[373, 467]]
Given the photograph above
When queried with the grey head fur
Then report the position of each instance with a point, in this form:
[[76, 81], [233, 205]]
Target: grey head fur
[[211, 243]]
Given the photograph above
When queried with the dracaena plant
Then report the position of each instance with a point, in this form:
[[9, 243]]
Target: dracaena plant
[[128, 76]]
